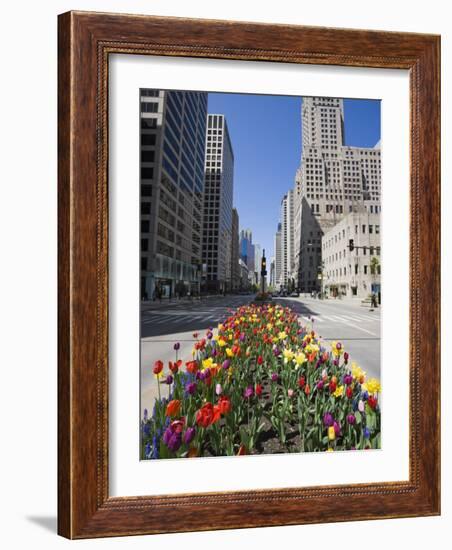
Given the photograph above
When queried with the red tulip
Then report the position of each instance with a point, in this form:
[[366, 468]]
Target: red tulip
[[158, 367]]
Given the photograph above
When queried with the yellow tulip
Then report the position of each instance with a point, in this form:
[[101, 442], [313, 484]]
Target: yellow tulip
[[331, 433]]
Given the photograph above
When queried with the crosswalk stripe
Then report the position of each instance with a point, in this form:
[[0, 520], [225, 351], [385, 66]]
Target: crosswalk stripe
[[353, 318]]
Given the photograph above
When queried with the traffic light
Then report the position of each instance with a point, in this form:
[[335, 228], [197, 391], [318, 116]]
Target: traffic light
[[263, 267], [351, 245]]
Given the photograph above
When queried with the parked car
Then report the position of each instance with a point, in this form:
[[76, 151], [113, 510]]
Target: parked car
[[294, 294]]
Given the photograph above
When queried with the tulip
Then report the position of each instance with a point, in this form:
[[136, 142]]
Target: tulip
[[176, 346], [169, 380], [320, 385], [301, 382], [258, 390], [290, 392], [191, 388], [361, 405], [189, 435], [328, 419], [158, 367], [218, 389], [349, 392], [372, 402], [173, 408], [331, 433], [337, 428], [248, 392], [226, 364], [351, 419], [275, 377]]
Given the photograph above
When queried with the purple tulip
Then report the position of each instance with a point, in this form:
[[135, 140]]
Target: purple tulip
[[210, 335], [335, 362], [214, 353], [346, 357], [169, 380], [174, 441], [242, 337], [176, 346], [337, 428], [189, 435], [351, 419], [348, 379], [191, 388], [226, 364], [328, 419], [275, 377], [366, 433], [320, 385], [338, 346], [276, 352], [248, 392], [167, 435]]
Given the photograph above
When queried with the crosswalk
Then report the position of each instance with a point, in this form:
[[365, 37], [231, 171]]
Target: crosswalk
[[184, 317], [178, 317], [354, 318]]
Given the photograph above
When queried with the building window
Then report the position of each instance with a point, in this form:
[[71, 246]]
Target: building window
[[148, 139], [147, 156], [147, 173], [145, 226], [146, 190], [365, 270], [145, 207]]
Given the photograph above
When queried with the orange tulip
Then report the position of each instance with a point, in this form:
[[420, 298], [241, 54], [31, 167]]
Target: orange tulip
[[173, 408]]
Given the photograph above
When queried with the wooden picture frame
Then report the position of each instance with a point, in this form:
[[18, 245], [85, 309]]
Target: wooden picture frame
[[86, 40]]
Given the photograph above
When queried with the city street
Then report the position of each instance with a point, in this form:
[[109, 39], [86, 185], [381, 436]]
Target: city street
[[163, 325], [346, 321]]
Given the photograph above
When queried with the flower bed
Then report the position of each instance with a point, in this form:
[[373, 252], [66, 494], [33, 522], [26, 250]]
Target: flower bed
[[262, 384]]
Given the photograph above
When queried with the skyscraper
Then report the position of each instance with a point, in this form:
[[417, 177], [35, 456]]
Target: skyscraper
[[278, 256], [287, 238], [247, 249], [217, 218], [235, 255], [172, 146], [332, 181]]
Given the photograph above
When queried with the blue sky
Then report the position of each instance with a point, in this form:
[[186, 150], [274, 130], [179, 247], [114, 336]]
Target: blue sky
[[266, 137]]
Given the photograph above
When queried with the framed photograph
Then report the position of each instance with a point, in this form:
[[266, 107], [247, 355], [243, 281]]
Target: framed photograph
[[249, 288]]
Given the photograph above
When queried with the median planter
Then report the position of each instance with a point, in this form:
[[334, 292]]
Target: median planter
[[262, 384]]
